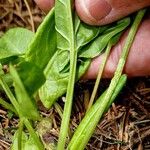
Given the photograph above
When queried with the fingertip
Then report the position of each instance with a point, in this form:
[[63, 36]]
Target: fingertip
[[92, 11], [45, 5], [101, 12]]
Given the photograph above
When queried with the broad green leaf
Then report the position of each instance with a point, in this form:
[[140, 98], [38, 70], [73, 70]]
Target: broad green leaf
[[86, 33], [57, 71], [55, 85], [56, 82], [63, 56], [14, 42], [63, 26], [43, 46], [31, 75], [99, 44], [25, 102]]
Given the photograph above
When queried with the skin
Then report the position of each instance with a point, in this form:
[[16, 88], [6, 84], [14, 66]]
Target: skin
[[90, 11]]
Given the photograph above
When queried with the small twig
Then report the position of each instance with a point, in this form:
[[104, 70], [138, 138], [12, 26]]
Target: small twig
[[30, 14]]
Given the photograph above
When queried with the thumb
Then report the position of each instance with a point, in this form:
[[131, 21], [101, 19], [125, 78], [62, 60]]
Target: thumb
[[138, 59], [100, 12]]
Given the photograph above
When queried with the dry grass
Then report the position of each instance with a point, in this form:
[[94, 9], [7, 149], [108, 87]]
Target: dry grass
[[125, 126]]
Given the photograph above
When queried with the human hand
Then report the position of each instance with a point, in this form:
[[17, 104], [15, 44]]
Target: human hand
[[100, 12]]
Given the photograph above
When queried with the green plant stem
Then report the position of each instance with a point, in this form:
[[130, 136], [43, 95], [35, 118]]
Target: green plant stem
[[99, 76], [33, 134], [60, 112], [7, 106], [10, 95], [70, 89], [20, 134], [124, 55], [68, 103]]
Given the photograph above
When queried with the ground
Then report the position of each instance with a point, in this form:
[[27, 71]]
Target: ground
[[125, 126]]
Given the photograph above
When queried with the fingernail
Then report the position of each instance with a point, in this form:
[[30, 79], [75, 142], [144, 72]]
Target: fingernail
[[98, 9]]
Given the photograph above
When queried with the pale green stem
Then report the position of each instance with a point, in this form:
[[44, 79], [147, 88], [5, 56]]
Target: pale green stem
[[70, 89], [99, 76], [20, 134], [124, 54]]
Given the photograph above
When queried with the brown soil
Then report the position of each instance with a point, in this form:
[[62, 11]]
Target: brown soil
[[125, 126]]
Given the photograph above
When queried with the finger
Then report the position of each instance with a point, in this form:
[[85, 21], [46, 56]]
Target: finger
[[100, 12], [45, 5], [138, 61]]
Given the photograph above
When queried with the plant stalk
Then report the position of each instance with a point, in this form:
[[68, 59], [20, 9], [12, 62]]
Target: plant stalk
[[99, 76], [124, 54], [21, 124], [70, 89]]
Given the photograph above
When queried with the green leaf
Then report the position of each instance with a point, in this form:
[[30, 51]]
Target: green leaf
[[55, 85], [56, 81], [99, 44], [83, 64], [14, 42], [57, 71], [43, 46], [26, 143], [31, 75], [86, 33], [30, 144], [24, 101], [33, 135], [63, 59], [1, 70], [87, 126], [23, 139]]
